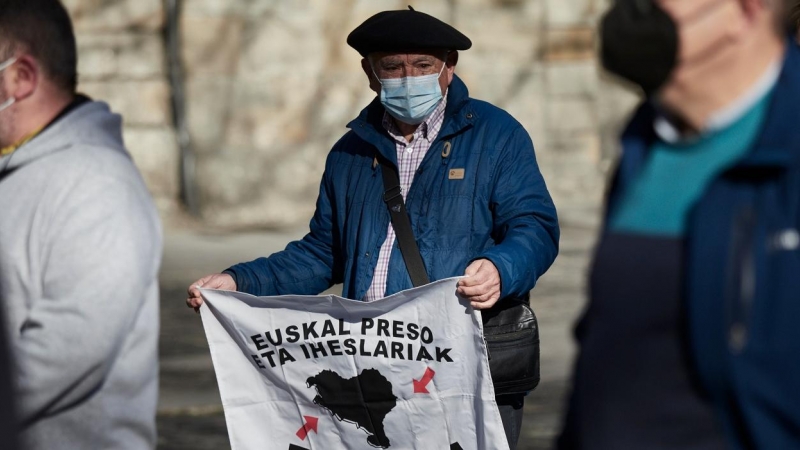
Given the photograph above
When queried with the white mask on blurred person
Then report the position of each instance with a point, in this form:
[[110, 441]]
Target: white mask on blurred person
[[3, 66]]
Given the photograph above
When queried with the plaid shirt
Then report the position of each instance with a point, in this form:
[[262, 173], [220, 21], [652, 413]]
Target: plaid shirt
[[409, 157]]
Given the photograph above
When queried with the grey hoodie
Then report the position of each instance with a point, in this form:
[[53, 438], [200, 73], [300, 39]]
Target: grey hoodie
[[80, 247]]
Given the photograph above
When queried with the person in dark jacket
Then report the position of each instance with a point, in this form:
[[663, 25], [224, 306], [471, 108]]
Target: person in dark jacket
[[477, 202], [690, 339]]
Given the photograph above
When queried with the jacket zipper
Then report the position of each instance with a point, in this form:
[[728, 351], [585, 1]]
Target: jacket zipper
[[745, 281]]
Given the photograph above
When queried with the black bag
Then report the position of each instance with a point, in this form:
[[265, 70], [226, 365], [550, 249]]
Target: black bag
[[512, 339], [510, 328]]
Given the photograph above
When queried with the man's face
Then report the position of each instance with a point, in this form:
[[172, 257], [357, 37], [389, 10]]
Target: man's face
[[705, 28], [703, 23], [412, 64]]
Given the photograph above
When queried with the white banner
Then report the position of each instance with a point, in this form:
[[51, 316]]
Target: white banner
[[322, 372]]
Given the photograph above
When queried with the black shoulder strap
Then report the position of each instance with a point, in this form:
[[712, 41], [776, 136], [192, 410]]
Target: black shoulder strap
[[402, 224]]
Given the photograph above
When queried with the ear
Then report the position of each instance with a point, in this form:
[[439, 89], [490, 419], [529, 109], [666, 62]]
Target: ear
[[755, 9], [374, 84], [23, 77], [753, 14]]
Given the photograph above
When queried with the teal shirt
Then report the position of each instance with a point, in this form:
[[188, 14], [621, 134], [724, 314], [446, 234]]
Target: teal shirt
[[675, 175]]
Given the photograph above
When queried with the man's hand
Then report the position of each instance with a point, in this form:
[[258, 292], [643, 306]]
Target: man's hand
[[221, 281], [481, 285]]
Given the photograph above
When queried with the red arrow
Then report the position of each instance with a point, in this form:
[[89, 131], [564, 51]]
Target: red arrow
[[419, 386], [310, 425]]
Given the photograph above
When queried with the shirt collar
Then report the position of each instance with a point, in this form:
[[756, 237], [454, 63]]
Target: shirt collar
[[728, 115]]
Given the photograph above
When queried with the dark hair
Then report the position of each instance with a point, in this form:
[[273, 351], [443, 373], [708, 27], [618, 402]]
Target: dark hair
[[43, 29]]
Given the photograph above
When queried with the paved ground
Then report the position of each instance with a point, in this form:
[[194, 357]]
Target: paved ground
[[190, 415]]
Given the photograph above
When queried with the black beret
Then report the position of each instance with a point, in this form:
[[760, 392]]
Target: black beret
[[390, 31]]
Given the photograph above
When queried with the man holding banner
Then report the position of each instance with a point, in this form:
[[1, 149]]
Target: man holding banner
[[467, 173]]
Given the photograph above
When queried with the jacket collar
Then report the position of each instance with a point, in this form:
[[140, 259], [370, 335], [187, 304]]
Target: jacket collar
[[777, 147], [778, 143], [458, 115]]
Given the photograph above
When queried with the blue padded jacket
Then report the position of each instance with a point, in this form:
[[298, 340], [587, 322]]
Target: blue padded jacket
[[500, 209]]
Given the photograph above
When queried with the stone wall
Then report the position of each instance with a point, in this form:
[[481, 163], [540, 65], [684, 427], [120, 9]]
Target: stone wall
[[121, 61], [271, 85]]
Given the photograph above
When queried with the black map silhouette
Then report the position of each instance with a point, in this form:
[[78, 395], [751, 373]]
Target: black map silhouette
[[364, 400]]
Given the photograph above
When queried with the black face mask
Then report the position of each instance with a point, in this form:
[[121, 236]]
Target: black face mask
[[639, 43]]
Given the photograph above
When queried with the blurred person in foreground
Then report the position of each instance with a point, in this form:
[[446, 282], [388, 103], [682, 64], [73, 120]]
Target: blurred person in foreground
[[691, 337], [80, 245], [476, 199]]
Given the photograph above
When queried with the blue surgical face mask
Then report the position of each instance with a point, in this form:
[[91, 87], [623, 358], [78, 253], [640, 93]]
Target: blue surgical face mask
[[411, 99], [3, 66]]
